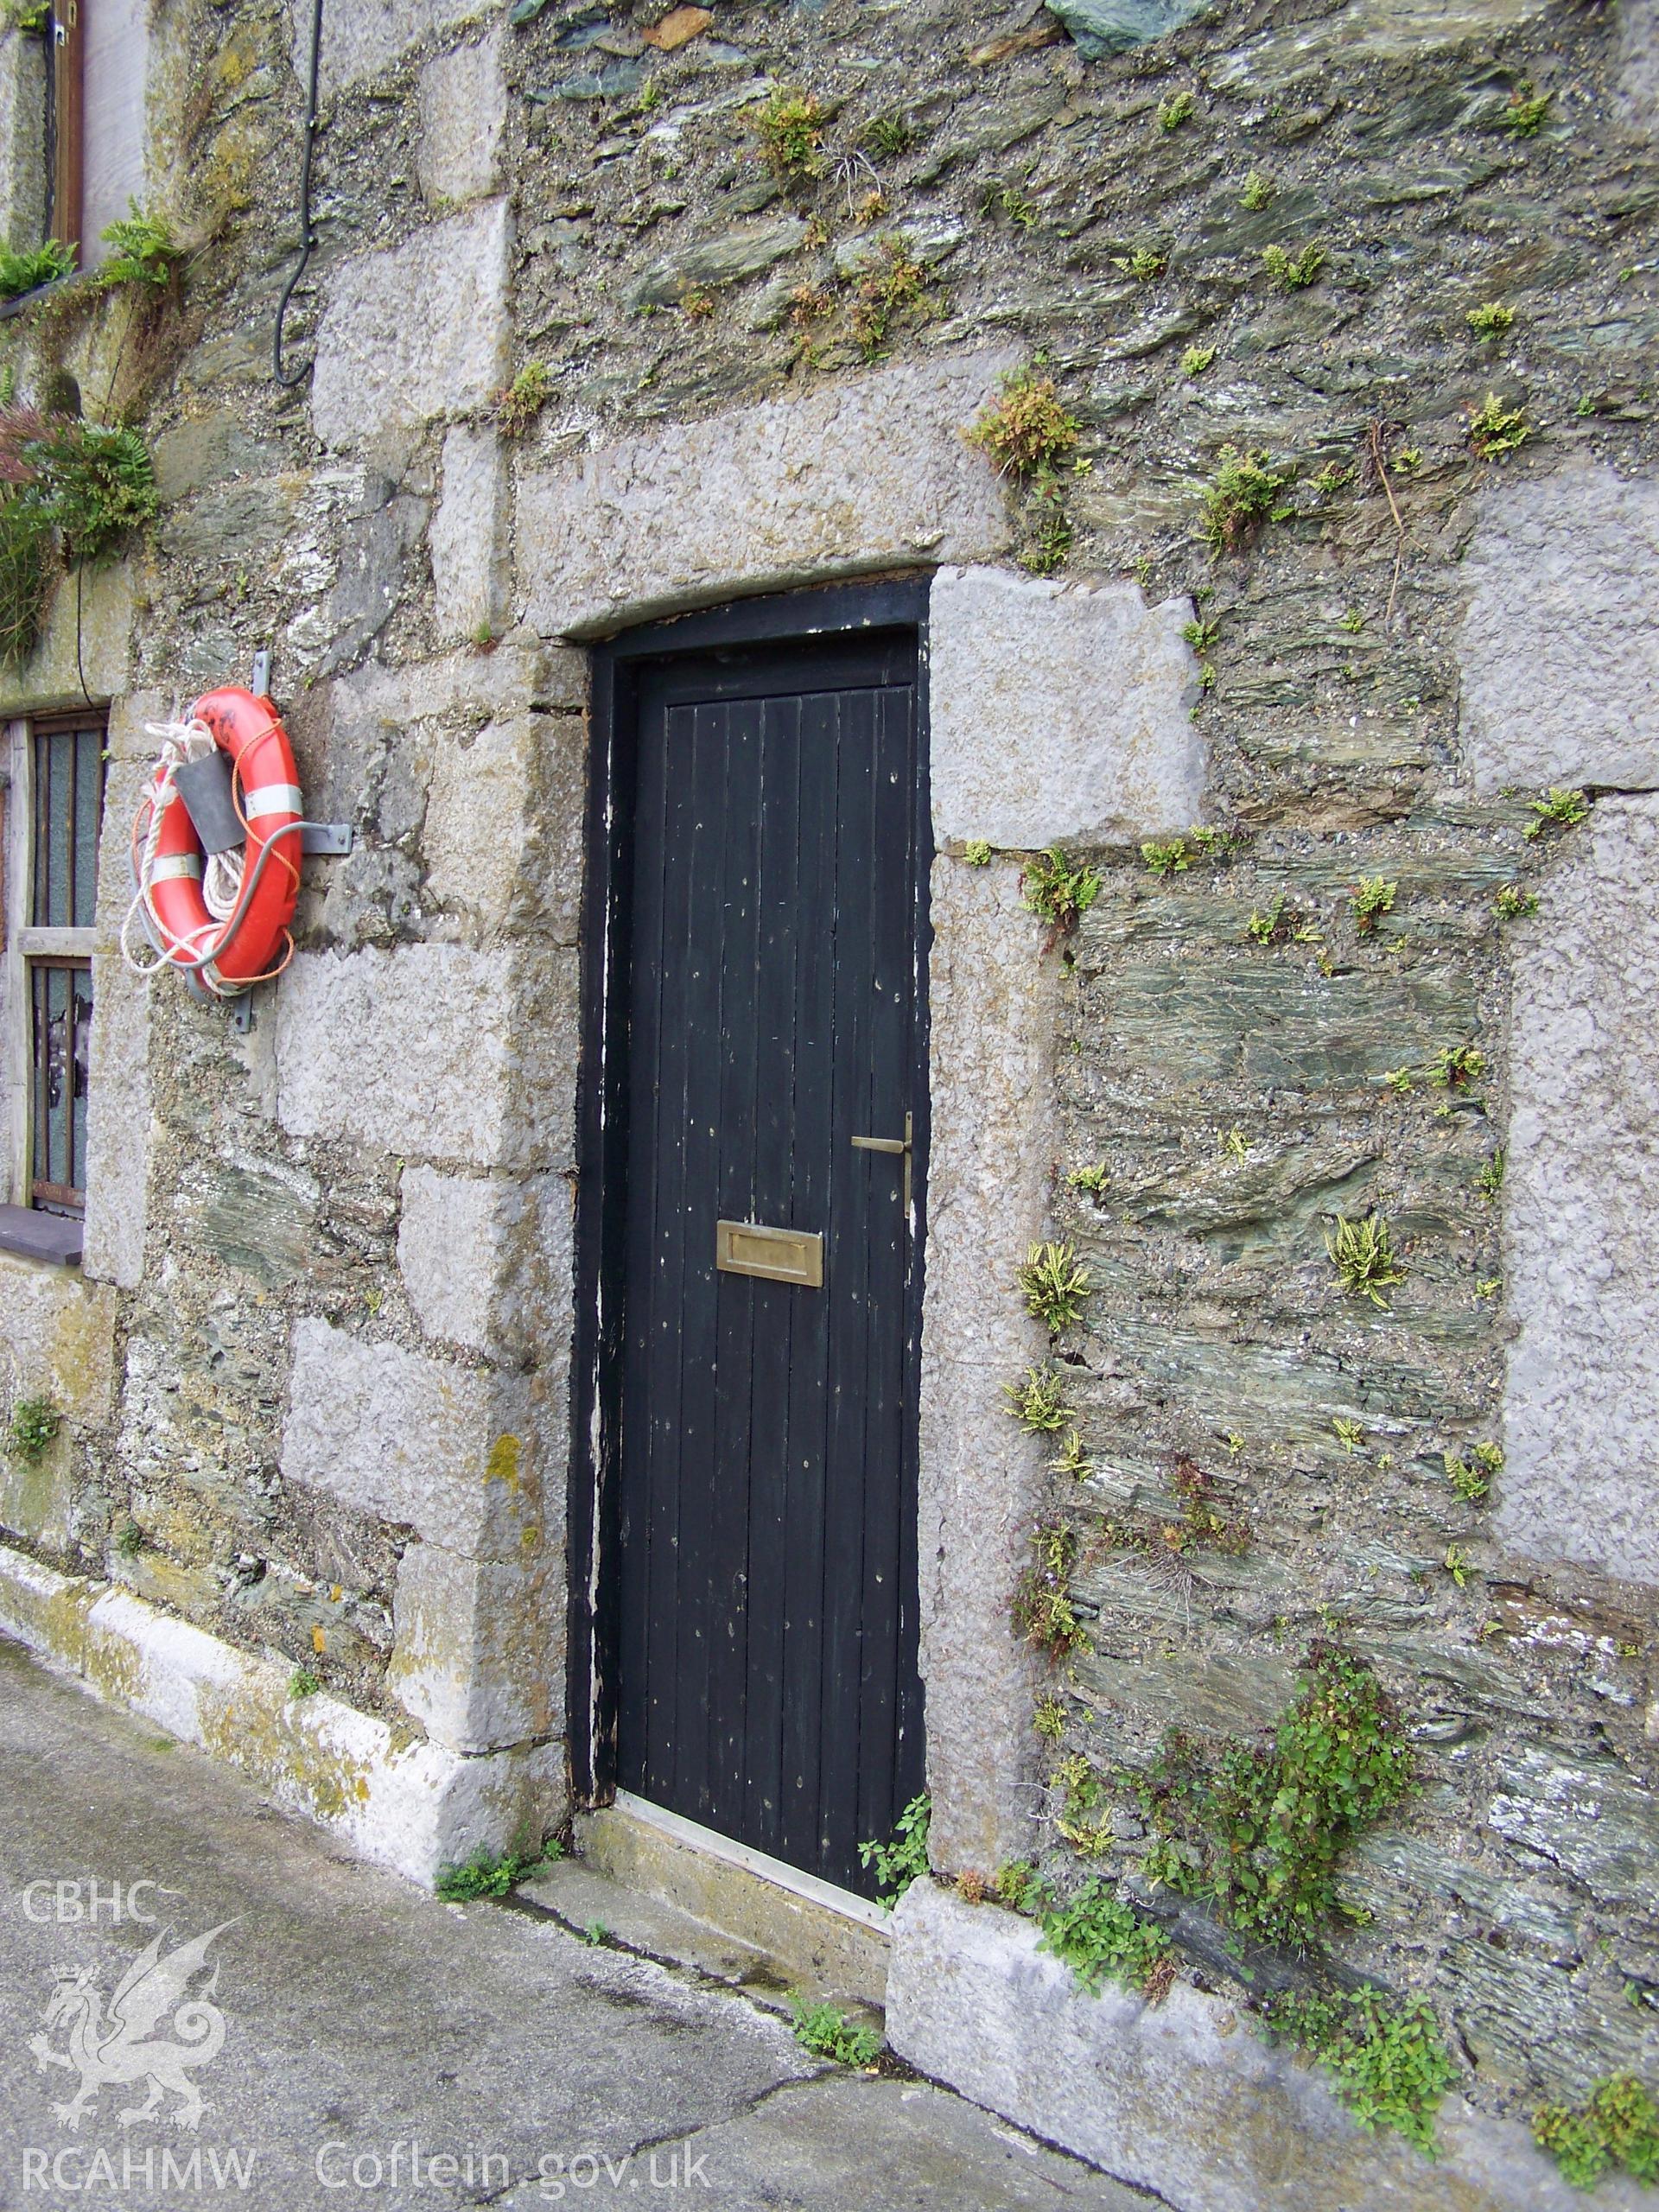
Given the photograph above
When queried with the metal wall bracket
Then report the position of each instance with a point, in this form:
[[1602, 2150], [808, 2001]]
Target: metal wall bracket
[[261, 684], [326, 837], [242, 1013]]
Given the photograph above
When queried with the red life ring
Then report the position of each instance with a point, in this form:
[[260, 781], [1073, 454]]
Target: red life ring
[[225, 957]]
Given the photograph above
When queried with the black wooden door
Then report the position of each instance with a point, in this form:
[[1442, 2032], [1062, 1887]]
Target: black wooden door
[[766, 1675]]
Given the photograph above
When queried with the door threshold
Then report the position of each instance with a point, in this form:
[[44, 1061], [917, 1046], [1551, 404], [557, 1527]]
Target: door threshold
[[811, 1888], [749, 1918]]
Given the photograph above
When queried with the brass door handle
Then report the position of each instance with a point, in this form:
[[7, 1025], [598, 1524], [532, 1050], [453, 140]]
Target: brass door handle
[[894, 1144]]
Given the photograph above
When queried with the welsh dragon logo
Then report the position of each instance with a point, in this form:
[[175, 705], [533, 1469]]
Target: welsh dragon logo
[[120, 2049]]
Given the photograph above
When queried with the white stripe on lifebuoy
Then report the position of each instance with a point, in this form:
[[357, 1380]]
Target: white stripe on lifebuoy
[[169, 869], [274, 798]]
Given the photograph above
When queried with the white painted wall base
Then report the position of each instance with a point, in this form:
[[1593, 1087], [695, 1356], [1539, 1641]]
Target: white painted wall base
[[1181, 2098], [413, 1806]]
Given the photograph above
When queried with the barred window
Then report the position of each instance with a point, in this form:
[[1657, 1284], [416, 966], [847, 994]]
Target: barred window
[[62, 767]]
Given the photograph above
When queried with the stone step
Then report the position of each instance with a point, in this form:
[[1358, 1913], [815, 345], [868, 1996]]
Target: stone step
[[663, 1886]]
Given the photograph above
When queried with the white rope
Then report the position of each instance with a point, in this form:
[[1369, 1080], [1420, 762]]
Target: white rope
[[221, 879]]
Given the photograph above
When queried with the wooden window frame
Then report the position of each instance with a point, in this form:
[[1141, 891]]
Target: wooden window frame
[[27, 945], [66, 203]]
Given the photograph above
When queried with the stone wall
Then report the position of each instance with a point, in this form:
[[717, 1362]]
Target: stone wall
[[331, 1256]]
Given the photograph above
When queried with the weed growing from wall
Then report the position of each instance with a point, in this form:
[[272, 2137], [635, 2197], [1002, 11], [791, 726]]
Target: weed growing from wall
[[1512, 904], [1169, 859], [1060, 894], [1028, 435], [143, 251], [1454, 1067], [1038, 1402], [1043, 1611], [1279, 923], [29, 574], [1102, 1939], [897, 284], [28, 271], [1258, 191], [34, 1428], [1053, 1282], [1620, 2127], [1243, 494], [304, 1681], [1260, 1828], [1558, 809], [522, 400], [1294, 272], [1202, 1523], [790, 129], [493, 1874], [1071, 1461], [1364, 1257], [1196, 360], [886, 137], [1526, 111], [828, 2033], [1491, 319], [1081, 1818], [1495, 430], [1143, 263], [1178, 108], [1472, 1478], [903, 1859], [1373, 897], [1387, 2063], [1490, 1181], [92, 485]]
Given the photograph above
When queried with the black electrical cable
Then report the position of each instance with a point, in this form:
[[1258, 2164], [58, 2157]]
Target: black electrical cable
[[306, 239]]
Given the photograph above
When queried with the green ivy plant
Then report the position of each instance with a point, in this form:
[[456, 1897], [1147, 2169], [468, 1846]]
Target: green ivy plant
[[903, 1859]]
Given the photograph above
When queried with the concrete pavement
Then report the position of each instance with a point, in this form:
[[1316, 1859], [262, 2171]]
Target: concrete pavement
[[354, 2018]]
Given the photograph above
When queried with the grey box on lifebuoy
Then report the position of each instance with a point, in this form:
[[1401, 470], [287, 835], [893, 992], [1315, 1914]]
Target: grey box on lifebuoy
[[204, 787]]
